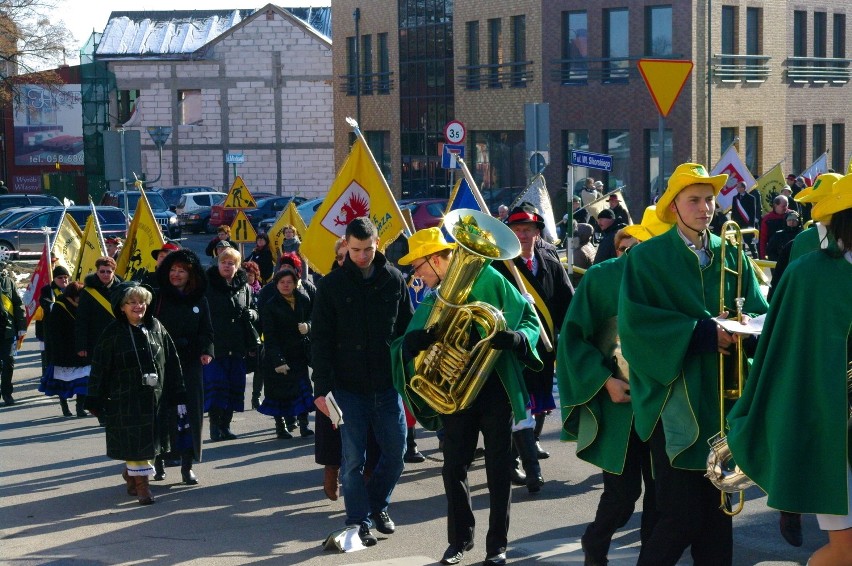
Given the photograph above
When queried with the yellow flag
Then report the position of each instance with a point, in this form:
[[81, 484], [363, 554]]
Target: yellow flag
[[68, 243], [143, 238], [849, 167], [90, 250], [290, 217], [769, 186], [359, 190]]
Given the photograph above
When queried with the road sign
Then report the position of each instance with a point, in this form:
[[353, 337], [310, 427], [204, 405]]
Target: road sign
[[600, 161], [537, 162], [241, 230], [234, 158], [454, 132], [450, 154], [665, 79], [239, 196]]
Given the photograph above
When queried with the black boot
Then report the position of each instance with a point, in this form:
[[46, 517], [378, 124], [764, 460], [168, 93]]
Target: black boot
[[159, 470], [214, 415], [524, 440], [281, 429], [80, 403], [291, 423], [539, 425], [518, 475], [412, 454], [186, 472], [303, 426], [255, 401], [226, 426], [66, 412]]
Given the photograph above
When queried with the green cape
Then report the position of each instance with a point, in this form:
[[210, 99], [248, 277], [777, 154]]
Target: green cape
[[807, 241], [788, 430], [584, 363], [664, 293], [494, 289]]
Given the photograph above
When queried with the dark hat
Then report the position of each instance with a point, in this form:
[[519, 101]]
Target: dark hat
[[167, 247], [222, 245], [115, 240], [524, 213], [791, 215], [791, 176], [613, 196], [60, 271], [606, 213]]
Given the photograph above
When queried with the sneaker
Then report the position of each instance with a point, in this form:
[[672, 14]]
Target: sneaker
[[455, 554], [367, 538], [384, 524]]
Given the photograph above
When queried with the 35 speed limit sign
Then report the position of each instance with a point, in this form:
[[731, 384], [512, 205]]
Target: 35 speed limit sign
[[454, 132]]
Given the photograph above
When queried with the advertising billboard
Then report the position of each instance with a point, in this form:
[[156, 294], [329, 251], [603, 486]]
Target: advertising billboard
[[48, 125]]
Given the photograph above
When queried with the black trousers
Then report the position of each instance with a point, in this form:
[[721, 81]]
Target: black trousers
[[490, 414], [689, 515], [618, 500], [7, 365]]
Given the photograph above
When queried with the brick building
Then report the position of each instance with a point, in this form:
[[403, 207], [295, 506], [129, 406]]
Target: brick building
[[774, 76], [256, 82]]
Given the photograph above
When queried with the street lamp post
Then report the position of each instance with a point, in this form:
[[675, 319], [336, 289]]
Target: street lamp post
[[160, 135]]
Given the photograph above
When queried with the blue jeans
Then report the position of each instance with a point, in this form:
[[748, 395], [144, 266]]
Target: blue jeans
[[383, 412]]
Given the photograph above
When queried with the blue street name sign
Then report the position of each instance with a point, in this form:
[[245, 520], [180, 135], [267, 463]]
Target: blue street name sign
[[593, 160]]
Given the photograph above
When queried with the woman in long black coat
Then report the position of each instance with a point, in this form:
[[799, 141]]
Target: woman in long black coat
[[136, 380], [181, 305], [286, 385]]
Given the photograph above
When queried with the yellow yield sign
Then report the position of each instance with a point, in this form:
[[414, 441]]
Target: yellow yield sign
[[665, 79], [239, 196], [241, 230]]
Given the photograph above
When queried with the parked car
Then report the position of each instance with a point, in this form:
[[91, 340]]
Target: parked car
[[26, 237], [172, 194], [270, 208], [426, 213], [9, 201], [10, 215], [194, 210], [220, 215], [168, 220], [306, 210]]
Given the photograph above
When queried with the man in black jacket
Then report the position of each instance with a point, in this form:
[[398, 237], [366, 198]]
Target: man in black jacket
[[359, 310], [14, 327], [745, 211]]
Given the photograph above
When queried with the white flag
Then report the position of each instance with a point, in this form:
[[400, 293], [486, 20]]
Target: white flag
[[536, 193], [733, 166], [816, 169]]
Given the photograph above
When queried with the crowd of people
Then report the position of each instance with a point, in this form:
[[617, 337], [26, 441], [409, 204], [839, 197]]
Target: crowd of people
[[635, 346]]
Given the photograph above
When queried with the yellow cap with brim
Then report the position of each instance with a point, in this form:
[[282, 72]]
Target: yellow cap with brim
[[651, 226], [423, 243], [685, 175], [839, 200], [821, 189]]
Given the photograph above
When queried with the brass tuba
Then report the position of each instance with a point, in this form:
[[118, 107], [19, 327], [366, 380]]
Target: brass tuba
[[449, 374]]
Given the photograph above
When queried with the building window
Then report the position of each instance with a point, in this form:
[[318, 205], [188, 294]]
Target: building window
[[800, 33], [379, 143], [575, 49], [495, 52], [575, 139], [618, 146], [126, 104], [838, 149], [729, 33], [752, 149], [658, 30], [189, 107], [728, 136], [367, 64], [838, 49], [384, 64], [473, 70], [519, 51], [500, 164], [799, 148], [754, 31], [820, 37], [818, 141], [351, 66], [616, 47], [652, 157]]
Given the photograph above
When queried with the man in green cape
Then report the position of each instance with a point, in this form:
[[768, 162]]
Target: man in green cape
[[502, 400], [670, 294]]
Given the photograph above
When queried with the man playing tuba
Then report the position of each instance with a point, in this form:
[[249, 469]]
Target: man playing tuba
[[501, 400]]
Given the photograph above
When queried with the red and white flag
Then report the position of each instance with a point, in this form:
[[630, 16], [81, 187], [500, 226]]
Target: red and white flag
[[39, 278], [733, 166], [817, 168]]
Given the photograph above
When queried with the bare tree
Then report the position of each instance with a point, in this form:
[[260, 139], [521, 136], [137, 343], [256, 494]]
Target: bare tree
[[29, 42]]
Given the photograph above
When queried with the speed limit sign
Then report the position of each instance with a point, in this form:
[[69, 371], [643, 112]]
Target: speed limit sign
[[454, 132]]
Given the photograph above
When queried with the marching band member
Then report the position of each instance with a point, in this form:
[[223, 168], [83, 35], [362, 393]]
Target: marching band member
[[669, 293], [501, 401], [796, 404], [595, 397]]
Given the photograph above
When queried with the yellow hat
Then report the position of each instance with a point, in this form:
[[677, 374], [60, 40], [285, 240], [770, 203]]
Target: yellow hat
[[651, 226], [821, 189], [839, 199], [423, 243], [685, 175]]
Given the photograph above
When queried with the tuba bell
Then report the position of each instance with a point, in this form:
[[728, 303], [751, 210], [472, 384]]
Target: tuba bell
[[450, 373]]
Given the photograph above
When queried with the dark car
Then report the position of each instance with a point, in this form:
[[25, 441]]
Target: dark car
[[269, 208], [426, 213], [168, 220], [8, 201], [25, 237], [220, 215]]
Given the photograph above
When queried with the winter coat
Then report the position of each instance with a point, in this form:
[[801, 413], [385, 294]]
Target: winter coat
[[282, 343], [46, 296], [263, 258], [13, 307], [354, 321], [59, 325], [270, 290], [232, 311], [92, 317]]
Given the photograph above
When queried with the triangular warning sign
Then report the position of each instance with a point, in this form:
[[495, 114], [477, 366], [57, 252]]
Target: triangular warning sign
[[665, 79], [241, 230], [239, 196]]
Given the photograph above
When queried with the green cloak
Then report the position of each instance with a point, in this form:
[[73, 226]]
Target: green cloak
[[808, 241], [664, 293], [584, 363], [788, 430], [494, 289]]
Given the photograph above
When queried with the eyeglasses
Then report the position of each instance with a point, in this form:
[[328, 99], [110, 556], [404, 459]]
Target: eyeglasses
[[418, 266], [623, 248], [105, 271]]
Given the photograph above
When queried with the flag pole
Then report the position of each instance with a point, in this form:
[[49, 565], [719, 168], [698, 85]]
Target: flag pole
[[98, 226], [513, 269]]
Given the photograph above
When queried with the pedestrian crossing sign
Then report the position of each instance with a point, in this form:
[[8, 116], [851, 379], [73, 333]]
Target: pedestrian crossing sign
[[239, 196], [241, 230]]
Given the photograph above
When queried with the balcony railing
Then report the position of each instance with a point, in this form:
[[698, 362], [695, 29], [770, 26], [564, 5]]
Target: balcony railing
[[606, 70], [516, 74], [374, 83], [818, 70], [735, 68]]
